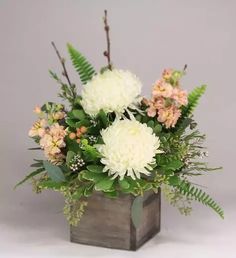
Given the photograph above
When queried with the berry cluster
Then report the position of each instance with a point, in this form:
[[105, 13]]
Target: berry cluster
[[79, 132], [76, 163]]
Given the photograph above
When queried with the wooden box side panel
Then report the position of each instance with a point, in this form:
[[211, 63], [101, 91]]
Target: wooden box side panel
[[105, 225], [150, 224], [108, 223]]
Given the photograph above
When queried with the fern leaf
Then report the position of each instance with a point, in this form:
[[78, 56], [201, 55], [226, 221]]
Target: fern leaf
[[193, 99], [197, 194], [82, 66]]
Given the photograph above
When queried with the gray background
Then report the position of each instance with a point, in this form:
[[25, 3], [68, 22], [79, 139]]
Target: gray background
[[147, 36]]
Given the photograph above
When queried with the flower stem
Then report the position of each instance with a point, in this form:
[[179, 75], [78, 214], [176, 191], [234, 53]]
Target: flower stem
[[107, 53], [62, 60]]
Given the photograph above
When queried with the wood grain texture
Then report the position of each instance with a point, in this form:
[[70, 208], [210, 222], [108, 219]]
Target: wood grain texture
[[107, 222]]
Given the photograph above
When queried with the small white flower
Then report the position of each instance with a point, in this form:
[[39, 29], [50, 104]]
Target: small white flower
[[129, 148], [111, 91]]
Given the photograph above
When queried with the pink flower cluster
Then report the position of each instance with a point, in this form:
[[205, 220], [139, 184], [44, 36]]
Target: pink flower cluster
[[167, 99], [52, 142], [50, 135]]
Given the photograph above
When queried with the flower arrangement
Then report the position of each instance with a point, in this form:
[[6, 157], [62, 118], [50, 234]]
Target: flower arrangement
[[113, 140]]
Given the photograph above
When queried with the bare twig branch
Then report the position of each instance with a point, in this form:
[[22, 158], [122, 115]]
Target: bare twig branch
[[185, 67], [107, 53], [62, 60]]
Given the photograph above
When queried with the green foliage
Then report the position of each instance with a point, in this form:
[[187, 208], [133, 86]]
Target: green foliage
[[157, 129], [79, 114], [68, 92], [188, 190], [104, 184], [178, 200], [36, 148], [91, 176], [102, 116], [88, 190], [137, 211], [82, 66], [174, 180], [84, 122], [50, 184], [135, 187], [95, 168], [69, 156], [90, 152], [193, 99], [36, 165], [72, 145], [112, 194], [70, 122], [124, 184], [172, 165], [74, 210], [29, 176], [176, 76], [78, 193], [54, 172], [151, 124], [82, 172], [78, 118]]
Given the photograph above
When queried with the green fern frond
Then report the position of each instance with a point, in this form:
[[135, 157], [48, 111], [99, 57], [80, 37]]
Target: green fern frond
[[82, 66], [197, 194], [193, 99]]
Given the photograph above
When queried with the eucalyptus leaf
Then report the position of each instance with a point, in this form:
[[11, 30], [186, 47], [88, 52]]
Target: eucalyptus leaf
[[32, 174], [138, 117], [137, 211], [54, 172], [150, 124], [157, 129], [37, 165]]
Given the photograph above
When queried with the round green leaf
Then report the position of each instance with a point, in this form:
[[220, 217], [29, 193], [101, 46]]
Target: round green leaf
[[137, 211], [54, 172], [104, 184]]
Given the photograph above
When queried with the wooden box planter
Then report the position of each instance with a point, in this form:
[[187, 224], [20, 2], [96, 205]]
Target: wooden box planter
[[108, 223]]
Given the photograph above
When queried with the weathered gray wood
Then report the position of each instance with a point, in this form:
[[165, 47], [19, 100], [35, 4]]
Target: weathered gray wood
[[107, 222]]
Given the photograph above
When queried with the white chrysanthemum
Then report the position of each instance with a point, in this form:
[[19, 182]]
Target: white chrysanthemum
[[129, 148], [112, 91]]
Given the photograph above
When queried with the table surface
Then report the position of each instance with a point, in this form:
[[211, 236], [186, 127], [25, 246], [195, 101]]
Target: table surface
[[31, 230]]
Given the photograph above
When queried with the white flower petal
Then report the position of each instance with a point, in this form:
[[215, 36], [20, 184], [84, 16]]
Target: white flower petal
[[129, 148], [111, 91]]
